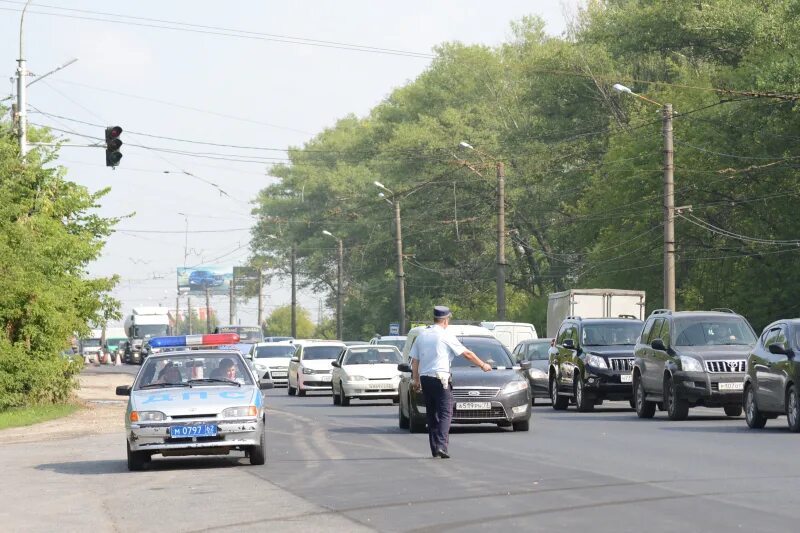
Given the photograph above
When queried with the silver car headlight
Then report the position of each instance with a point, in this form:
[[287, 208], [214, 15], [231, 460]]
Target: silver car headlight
[[515, 386], [308, 370], [147, 416], [240, 412], [537, 373], [690, 364], [596, 361]]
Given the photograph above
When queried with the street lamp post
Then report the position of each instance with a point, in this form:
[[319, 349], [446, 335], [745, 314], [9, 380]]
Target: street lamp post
[[340, 259], [22, 100], [669, 197], [501, 233], [398, 239]]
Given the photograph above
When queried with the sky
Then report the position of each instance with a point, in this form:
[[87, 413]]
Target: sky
[[261, 85]]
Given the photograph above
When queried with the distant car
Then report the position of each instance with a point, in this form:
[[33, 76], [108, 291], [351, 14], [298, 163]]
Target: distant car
[[200, 279], [247, 334], [500, 397], [310, 366], [366, 372], [592, 362], [278, 339], [772, 383], [271, 360], [182, 404], [398, 341], [537, 353]]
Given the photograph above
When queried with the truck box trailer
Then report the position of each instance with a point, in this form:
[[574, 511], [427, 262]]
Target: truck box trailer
[[593, 303]]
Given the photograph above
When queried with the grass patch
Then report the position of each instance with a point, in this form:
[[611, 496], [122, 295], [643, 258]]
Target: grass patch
[[25, 416]]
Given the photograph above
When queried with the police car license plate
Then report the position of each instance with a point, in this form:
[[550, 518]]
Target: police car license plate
[[467, 406], [626, 378], [731, 386], [200, 430]]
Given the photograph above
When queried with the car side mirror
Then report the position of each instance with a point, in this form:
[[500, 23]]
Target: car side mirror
[[777, 349], [265, 384], [404, 367], [658, 344], [569, 344], [295, 359], [525, 365], [123, 390], [336, 364]]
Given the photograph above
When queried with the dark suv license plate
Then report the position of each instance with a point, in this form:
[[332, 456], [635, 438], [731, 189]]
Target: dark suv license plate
[[187, 432]]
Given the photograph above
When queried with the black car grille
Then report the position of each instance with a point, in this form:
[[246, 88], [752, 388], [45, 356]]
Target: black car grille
[[622, 364], [475, 414], [719, 367], [470, 394]]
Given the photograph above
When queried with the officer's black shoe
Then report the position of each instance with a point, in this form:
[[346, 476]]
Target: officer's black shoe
[[443, 454]]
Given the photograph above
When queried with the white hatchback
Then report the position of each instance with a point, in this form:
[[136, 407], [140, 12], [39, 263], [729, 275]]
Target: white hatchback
[[366, 372]]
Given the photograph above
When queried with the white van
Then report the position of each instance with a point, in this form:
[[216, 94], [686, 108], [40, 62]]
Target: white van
[[511, 333]]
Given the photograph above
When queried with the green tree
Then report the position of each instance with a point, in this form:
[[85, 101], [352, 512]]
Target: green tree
[[279, 323]]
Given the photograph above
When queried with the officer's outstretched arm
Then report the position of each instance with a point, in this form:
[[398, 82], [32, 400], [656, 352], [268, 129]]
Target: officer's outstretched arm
[[475, 360]]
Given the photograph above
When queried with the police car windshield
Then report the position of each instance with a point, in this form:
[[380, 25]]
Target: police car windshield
[[693, 331], [372, 356], [397, 343], [611, 334], [214, 368], [275, 351], [321, 352], [489, 349]]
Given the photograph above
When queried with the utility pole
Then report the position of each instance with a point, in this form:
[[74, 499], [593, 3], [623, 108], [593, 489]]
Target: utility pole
[[294, 291], [22, 91], [208, 312], [339, 321], [669, 211], [177, 314], [261, 299], [501, 241], [188, 314], [232, 303], [401, 281]]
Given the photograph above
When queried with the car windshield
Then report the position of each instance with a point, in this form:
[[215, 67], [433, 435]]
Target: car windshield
[[372, 356], [90, 343], [246, 334], [154, 330], [611, 334], [489, 349], [193, 369], [275, 351], [321, 352], [694, 331], [537, 351], [397, 343]]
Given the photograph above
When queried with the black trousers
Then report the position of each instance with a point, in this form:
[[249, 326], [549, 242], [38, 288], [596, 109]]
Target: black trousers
[[439, 411]]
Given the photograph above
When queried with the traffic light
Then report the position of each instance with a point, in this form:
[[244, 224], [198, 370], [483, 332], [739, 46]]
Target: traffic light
[[113, 144]]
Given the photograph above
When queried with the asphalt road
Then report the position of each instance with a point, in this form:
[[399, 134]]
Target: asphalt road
[[351, 468]]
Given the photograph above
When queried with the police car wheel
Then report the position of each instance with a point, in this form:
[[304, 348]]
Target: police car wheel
[[258, 454], [136, 460]]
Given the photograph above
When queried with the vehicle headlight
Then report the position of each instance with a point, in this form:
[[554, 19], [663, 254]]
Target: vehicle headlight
[[147, 416], [240, 412], [690, 364], [537, 373], [596, 361], [261, 366], [356, 378], [515, 386], [308, 370]]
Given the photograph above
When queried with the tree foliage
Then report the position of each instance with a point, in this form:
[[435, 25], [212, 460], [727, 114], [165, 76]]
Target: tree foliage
[[49, 232], [583, 168], [279, 323]]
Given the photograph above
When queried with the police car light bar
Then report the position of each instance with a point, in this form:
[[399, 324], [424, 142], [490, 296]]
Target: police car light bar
[[213, 339]]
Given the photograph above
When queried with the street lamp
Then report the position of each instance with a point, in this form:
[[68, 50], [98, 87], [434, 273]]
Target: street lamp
[[669, 197], [398, 239], [501, 230], [340, 259]]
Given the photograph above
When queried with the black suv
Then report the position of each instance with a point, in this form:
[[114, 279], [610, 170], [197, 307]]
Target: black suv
[[592, 361], [691, 358], [772, 384]]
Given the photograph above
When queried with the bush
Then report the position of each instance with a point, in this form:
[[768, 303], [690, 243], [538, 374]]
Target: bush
[[34, 379]]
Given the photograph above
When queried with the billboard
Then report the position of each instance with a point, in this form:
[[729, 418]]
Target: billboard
[[196, 280]]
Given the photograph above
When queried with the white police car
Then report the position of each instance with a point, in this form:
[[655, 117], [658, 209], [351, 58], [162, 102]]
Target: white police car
[[196, 401]]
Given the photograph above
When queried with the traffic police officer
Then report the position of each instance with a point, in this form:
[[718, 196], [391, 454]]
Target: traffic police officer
[[431, 356]]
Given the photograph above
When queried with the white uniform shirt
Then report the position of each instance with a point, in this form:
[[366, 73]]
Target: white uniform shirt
[[435, 348]]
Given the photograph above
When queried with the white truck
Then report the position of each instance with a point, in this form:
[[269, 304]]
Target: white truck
[[91, 346], [511, 333], [141, 324], [593, 303]]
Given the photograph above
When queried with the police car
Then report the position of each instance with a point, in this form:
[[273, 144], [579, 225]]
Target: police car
[[196, 400]]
